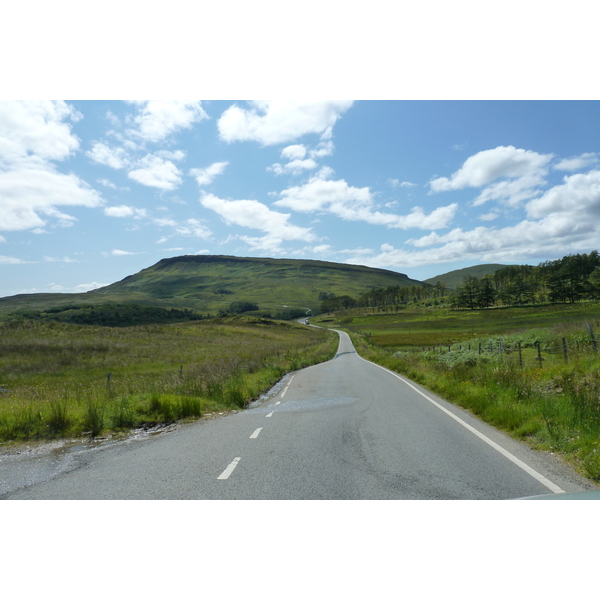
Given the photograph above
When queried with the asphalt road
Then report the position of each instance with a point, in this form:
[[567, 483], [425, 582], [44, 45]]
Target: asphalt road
[[344, 429]]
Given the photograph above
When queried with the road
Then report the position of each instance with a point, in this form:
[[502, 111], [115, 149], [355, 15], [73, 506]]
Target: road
[[344, 429]]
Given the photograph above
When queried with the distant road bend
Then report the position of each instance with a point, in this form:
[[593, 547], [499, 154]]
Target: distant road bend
[[343, 429]]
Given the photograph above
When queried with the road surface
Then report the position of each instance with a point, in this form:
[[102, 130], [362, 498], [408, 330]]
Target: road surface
[[344, 429]]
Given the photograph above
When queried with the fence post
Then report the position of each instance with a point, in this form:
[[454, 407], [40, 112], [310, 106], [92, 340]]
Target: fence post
[[539, 356], [108, 380], [520, 356], [594, 342], [564, 345], [479, 347]]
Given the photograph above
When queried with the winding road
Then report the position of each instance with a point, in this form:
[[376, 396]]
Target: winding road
[[343, 429]]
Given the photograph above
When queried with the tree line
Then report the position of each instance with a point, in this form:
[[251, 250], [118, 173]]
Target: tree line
[[570, 279]]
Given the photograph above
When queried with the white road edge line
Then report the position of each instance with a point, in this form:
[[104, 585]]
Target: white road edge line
[[551, 486], [286, 387], [255, 434], [229, 470]]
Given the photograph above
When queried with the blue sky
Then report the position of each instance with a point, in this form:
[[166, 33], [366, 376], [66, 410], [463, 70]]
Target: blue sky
[[92, 191]]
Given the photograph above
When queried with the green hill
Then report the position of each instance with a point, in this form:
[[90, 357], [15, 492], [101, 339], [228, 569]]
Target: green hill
[[209, 284], [452, 279]]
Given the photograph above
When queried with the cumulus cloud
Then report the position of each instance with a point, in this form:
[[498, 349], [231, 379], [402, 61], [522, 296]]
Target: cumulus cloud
[[357, 204], [125, 211], [576, 163], [124, 253], [277, 122], [486, 166], [207, 175], [157, 172], [294, 152], [36, 128], [157, 119], [294, 167], [115, 157], [29, 195], [32, 135], [189, 227], [395, 183], [521, 172], [255, 215], [578, 198]]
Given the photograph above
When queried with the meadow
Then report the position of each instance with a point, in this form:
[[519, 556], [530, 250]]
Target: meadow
[[533, 372], [61, 379]]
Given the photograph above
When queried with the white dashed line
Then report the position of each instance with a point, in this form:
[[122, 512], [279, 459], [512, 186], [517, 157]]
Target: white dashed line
[[229, 470], [270, 414], [255, 434], [278, 402]]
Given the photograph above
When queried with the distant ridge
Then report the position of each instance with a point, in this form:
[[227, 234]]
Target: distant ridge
[[210, 283], [453, 279]]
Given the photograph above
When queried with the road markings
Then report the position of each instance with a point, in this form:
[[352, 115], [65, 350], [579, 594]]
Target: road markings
[[551, 486], [287, 386], [255, 434], [278, 402], [270, 414], [229, 470]]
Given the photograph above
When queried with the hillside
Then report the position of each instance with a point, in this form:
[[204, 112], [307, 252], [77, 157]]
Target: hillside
[[208, 284], [452, 279]]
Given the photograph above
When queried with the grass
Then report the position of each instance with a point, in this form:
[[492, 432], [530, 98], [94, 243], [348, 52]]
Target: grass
[[55, 376], [553, 407]]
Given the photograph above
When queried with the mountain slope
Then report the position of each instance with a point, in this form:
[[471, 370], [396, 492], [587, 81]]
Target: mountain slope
[[208, 284], [452, 279]]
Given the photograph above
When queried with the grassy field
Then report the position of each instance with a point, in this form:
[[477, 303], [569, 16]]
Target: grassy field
[[492, 368], [60, 380], [415, 328]]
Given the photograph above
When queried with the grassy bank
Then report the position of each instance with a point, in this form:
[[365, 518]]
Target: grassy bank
[[59, 380], [495, 372]]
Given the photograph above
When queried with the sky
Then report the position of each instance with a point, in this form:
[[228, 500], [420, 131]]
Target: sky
[[94, 190]]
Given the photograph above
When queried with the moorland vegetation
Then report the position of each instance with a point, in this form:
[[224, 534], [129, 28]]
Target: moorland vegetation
[[68, 380]]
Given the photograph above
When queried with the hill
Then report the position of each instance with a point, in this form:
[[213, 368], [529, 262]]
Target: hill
[[452, 279], [209, 284]]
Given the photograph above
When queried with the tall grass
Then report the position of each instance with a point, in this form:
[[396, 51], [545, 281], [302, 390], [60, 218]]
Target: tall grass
[[58, 384]]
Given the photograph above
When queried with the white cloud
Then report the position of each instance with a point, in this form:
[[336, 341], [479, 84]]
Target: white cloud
[[114, 157], [27, 195], [154, 171], [207, 176], [294, 167], [107, 183], [190, 227], [37, 128], [577, 199], [86, 287], [9, 260], [124, 253], [125, 211], [54, 259], [255, 215], [294, 152], [171, 155], [577, 162], [403, 184], [32, 134], [157, 119], [483, 168], [357, 204], [488, 217], [324, 148], [276, 122]]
